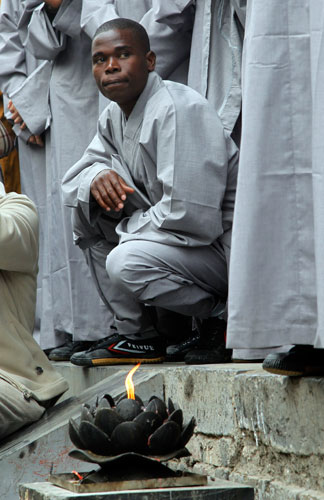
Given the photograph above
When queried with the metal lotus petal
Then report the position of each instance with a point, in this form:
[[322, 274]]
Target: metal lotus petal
[[74, 434], [129, 436], [102, 404], [128, 409], [86, 414], [171, 407], [107, 419], [165, 438], [187, 432], [156, 405], [95, 439], [124, 396], [177, 416], [149, 421], [110, 400]]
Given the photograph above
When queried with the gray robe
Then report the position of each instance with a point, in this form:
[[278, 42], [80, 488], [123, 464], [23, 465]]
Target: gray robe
[[24, 79], [70, 301], [170, 205], [216, 49], [172, 150], [276, 278]]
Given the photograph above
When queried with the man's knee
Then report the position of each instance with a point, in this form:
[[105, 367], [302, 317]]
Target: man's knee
[[123, 262]]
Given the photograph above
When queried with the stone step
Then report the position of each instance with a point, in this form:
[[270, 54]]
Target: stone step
[[220, 490]]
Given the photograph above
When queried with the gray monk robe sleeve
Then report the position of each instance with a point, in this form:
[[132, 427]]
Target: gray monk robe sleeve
[[97, 157], [43, 40], [25, 87], [46, 38]]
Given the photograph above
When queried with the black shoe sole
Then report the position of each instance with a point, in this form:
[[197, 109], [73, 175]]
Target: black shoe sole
[[283, 371], [308, 371], [115, 361]]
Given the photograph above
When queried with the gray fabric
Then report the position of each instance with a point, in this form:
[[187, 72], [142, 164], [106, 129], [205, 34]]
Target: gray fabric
[[168, 143], [216, 49], [188, 281], [215, 59], [317, 67], [25, 80], [184, 280], [273, 296], [164, 207], [70, 301]]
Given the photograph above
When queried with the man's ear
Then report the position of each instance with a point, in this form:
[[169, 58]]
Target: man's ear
[[150, 59]]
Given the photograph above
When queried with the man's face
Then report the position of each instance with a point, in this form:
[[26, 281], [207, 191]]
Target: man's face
[[120, 67]]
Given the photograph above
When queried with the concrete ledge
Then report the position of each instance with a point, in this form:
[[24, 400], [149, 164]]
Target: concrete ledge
[[255, 428], [220, 490]]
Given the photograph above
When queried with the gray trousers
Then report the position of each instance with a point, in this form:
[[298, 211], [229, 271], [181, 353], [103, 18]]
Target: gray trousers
[[136, 274], [15, 410]]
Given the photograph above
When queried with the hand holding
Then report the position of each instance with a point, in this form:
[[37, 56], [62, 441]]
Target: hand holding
[[15, 116], [36, 140], [110, 190]]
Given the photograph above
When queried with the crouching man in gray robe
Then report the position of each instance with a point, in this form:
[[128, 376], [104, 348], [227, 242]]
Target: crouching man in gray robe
[[155, 193]]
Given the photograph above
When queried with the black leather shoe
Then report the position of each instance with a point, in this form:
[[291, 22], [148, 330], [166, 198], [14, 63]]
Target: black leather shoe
[[208, 335], [177, 352], [301, 360], [65, 351]]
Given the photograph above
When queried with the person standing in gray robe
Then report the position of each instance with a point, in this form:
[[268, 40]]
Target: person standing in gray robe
[[24, 81], [155, 190], [278, 226], [64, 308]]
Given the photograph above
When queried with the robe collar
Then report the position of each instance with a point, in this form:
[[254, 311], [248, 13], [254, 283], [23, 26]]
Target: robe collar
[[154, 83]]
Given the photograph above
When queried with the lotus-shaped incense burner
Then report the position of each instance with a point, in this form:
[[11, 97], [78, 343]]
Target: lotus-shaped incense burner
[[111, 428]]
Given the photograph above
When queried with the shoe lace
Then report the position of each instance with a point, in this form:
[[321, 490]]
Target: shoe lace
[[103, 342]]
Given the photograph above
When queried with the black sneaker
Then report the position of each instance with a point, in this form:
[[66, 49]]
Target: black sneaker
[[116, 350], [211, 355], [301, 360], [65, 351], [208, 335], [177, 352]]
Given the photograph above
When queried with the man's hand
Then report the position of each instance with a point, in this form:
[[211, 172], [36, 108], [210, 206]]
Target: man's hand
[[36, 140], [54, 4], [110, 190], [15, 116], [33, 139]]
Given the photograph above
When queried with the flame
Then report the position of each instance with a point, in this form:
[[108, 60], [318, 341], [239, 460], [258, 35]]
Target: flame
[[129, 384]]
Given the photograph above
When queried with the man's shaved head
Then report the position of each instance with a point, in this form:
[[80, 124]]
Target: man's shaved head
[[120, 23]]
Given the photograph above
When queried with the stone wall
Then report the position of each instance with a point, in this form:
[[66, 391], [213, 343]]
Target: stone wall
[[253, 427]]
